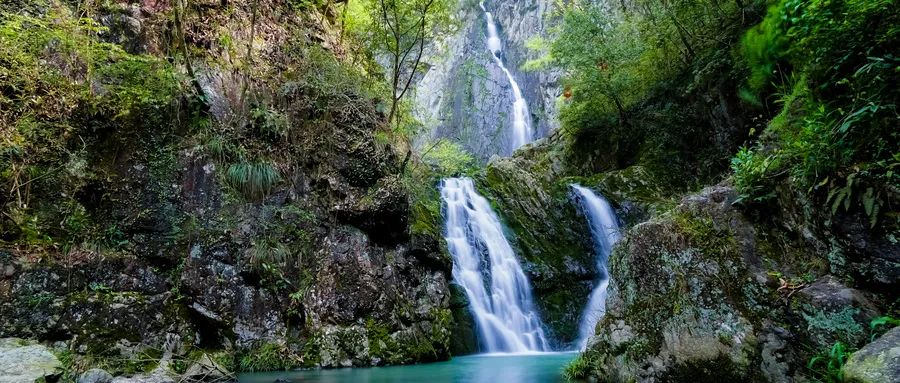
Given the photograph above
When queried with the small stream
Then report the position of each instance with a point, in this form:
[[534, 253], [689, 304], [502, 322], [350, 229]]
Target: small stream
[[484, 368]]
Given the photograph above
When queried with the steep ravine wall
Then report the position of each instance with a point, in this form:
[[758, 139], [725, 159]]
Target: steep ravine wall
[[318, 269], [466, 98]]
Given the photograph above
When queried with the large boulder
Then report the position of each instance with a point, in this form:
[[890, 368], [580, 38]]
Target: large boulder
[[685, 297], [26, 362], [833, 312], [877, 362]]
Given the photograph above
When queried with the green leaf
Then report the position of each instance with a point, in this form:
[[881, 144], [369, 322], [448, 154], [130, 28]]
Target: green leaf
[[869, 201]]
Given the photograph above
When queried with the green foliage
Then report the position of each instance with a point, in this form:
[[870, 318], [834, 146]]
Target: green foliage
[[268, 252], [64, 94], [752, 175], [601, 56], [836, 135], [253, 180], [269, 357], [579, 368], [826, 367], [881, 325], [763, 46], [634, 75], [448, 158], [269, 122]]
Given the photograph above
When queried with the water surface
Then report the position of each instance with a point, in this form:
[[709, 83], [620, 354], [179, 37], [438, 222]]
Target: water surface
[[524, 368]]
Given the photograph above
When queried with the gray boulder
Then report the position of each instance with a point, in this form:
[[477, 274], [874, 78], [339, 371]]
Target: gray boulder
[[877, 362], [25, 362], [95, 375]]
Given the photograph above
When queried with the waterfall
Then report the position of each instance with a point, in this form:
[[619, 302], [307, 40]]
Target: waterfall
[[486, 267], [605, 233], [522, 133]]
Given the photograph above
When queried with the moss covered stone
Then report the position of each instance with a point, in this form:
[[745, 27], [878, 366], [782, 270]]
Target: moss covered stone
[[548, 234]]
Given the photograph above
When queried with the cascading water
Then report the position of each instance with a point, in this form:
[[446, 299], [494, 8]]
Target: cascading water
[[605, 233], [522, 132], [486, 267]]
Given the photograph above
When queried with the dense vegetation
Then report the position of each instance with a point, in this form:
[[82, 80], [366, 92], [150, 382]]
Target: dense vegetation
[[105, 132], [275, 146], [829, 90], [832, 67], [799, 97]]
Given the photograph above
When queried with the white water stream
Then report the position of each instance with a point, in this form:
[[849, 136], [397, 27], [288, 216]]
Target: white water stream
[[486, 267], [522, 131], [605, 233]]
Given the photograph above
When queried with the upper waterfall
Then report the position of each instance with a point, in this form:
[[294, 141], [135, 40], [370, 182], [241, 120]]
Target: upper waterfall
[[487, 269], [522, 131], [605, 233]]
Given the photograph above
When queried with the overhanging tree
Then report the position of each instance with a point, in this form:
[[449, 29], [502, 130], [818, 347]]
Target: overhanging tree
[[402, 30]]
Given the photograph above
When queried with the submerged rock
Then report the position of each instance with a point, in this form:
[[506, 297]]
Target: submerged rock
[[877, 362], [26, 362]]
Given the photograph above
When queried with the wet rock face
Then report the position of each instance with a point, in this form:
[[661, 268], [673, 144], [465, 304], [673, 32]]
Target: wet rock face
[[551, 238], [465, 96], [465, 340]]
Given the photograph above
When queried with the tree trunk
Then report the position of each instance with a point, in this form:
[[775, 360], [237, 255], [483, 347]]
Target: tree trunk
[[179, 19]]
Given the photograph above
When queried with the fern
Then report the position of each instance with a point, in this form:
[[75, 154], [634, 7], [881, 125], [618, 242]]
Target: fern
[[827, 367], [880, 325], [854, 190]]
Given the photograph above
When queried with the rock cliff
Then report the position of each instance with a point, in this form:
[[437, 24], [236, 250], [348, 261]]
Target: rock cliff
[[466, 98]]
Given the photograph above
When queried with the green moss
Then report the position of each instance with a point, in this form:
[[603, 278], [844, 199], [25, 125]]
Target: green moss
[[721, 369], [402, 350], [842, 324]]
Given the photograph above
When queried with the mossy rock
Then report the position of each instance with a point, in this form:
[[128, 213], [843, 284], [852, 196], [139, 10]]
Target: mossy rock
[[550, 237], [877, 362], [676, 310]]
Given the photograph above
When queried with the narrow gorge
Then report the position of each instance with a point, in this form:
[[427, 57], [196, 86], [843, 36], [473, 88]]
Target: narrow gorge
[[449, 191]]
